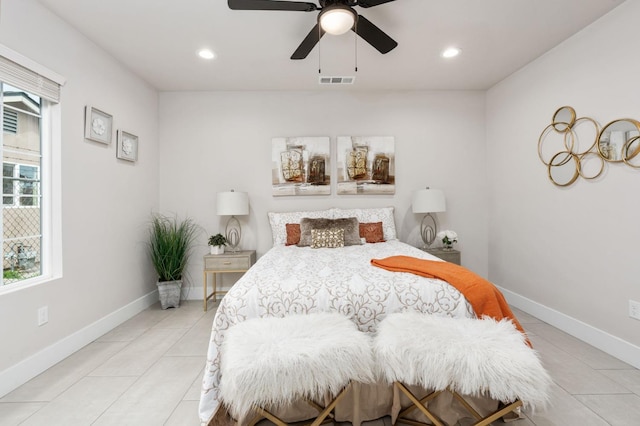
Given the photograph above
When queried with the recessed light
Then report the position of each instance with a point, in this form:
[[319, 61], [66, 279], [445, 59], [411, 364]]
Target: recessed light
[[206, 54], [450, 52]]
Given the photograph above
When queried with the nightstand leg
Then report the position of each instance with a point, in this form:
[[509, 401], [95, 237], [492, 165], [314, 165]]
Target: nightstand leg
[[215, 288], [204, 299]]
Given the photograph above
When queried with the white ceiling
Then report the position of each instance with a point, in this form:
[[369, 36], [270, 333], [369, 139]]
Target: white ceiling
[[158, 40]]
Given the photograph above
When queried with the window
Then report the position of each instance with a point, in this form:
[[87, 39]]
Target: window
[[21, 158], [7, 184], [30, 148], [21, 185]]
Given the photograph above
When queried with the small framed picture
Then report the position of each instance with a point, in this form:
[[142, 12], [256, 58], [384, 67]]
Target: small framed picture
[[127, 146], [98, 125]]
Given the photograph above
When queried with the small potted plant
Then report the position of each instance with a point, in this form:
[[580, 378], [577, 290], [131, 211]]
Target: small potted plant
[[217, 243]]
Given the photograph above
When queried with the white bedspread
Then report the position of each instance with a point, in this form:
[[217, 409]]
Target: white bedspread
[[288, 280]]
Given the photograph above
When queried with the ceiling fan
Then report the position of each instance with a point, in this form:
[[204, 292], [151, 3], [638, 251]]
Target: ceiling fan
[[335, 17]]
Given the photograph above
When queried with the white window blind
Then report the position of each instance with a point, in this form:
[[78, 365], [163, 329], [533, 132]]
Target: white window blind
[[20, 71], [19, 76]]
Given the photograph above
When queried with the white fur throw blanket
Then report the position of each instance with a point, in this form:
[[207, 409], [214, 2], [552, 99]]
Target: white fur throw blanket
[[276, 361], [469, 356]]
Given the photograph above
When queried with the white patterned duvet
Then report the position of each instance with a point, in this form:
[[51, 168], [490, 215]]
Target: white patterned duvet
[[298, 280]]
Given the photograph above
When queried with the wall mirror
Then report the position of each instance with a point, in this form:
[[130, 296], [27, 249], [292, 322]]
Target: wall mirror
[[613, 138], [631, 150], [564, 118], [564, 168]]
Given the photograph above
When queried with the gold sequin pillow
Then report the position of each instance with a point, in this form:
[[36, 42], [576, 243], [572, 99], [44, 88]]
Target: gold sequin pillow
[[329, 238]]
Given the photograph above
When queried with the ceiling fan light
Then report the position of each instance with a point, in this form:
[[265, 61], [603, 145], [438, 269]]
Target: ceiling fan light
[[337, 20], [451, 52], [206, 54]]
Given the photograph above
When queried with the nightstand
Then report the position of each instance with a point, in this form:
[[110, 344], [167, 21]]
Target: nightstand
[[452, 256], [239, 261]]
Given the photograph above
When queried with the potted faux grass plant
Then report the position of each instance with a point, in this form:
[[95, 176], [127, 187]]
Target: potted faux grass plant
[[170, 242]]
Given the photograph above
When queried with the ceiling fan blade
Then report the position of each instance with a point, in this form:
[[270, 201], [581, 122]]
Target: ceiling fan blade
[[374, 35], [271, 5], [308, 43], [371, 3]]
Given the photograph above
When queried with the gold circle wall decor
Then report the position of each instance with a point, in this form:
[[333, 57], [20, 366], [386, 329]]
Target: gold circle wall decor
[[582, 156]]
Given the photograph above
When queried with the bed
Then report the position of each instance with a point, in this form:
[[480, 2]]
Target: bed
[[289, 279]]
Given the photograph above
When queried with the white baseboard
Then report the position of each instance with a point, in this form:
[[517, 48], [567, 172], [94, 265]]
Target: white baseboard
[[608, 343], [17, 375]]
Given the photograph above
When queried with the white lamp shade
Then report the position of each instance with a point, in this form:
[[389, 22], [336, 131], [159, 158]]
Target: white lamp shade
[[337, 20], [232, 203], [428, 201]]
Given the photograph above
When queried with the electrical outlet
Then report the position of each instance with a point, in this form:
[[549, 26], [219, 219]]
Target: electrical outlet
[[634, 309], [43, 315]]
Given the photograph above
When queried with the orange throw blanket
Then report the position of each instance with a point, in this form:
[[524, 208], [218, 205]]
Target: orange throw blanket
[[484, 297]]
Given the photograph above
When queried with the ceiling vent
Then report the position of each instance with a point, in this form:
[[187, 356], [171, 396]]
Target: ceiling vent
[[336, 80]]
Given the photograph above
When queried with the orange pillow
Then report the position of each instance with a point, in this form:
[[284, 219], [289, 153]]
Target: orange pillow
[[372, 232], [293, 233]]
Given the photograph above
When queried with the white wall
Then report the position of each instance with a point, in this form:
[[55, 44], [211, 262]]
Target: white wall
[[211, 142], [573, 250], [105, 201]]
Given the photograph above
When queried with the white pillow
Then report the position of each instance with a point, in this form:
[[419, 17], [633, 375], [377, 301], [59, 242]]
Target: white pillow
[[279, 220], [382, 214]]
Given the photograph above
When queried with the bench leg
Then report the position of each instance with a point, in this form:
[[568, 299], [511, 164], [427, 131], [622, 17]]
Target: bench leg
[[487, 420], [423, 401], [255, 420], [495, 416], [319, 408], [267, 415], [329, 408], [325, 413], [417, 403]]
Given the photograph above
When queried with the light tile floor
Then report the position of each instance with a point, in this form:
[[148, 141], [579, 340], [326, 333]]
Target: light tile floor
[[148, 371]]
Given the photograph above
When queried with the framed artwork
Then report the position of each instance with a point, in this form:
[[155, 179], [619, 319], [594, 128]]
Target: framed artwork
[[366, 165], [127, 146], [301, 166], [98, 125]]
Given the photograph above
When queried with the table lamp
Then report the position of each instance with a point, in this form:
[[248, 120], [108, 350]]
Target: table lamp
[[428, 201], [232, 203]]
